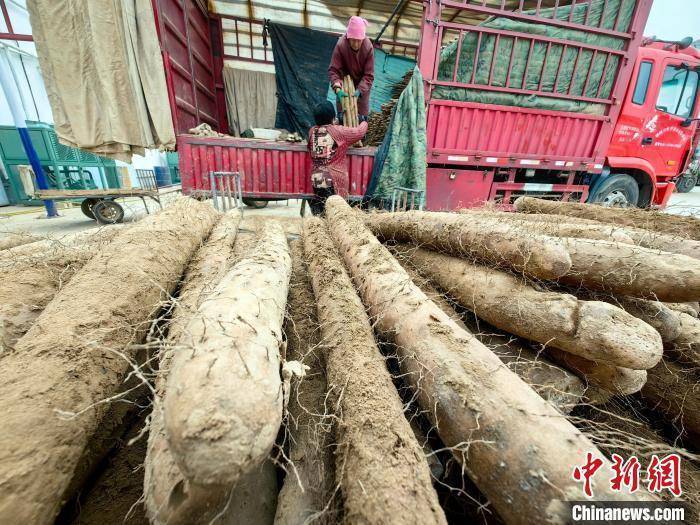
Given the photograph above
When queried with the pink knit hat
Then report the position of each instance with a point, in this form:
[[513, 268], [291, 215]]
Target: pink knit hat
[[356, 28]]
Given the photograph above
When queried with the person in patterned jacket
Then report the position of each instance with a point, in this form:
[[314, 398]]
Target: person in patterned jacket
[[328, 146]]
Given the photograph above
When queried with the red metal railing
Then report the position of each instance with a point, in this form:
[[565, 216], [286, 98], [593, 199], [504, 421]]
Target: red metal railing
[[252, 29], [468, 133], [553, 45], [10, 33], [516, 10], [269, 170]]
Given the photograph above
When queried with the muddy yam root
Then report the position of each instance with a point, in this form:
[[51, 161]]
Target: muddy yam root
[[655, 314], [382, 471], [649, 220], [223, 401], [168, 497], [633, 271], [613, 379], [556, 385], [31, 280], [77, 346], [472, 398], [674, 391], [13, 239], [686, 347], [590, 329], [308, 487], [501, 244], [558, 228]]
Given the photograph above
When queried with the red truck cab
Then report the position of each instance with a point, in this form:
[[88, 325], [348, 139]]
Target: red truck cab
[[653, 139]]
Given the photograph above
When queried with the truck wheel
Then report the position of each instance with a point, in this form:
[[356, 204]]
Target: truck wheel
[[686, 182], [86, 207], [257, 204], [617, 191], [108, 212]]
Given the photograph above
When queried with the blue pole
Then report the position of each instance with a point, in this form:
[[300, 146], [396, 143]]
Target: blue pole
[[20, 120]]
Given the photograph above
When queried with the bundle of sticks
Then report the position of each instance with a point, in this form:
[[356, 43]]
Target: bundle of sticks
[[351, 118]]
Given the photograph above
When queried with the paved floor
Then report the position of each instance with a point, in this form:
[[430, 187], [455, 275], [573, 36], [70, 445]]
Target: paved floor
[[685, 203], [19, 218], [33, 219]]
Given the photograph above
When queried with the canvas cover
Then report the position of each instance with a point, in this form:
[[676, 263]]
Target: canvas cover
[[537, 70], [400, 159], [250, 99], [103, 70]]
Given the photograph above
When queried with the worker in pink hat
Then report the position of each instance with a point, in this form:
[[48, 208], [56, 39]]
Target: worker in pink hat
[[353, 55]]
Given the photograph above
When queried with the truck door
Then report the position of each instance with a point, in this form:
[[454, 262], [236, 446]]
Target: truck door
[[665, 142]]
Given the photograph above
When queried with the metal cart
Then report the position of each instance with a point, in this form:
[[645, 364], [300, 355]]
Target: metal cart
[[101, 205]]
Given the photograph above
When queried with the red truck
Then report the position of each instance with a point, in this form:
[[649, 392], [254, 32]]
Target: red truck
[[629, 152]]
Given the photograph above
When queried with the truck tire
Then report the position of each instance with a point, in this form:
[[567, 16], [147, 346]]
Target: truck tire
[[617, 191], [108, 212], [686, 182], [257, 204]]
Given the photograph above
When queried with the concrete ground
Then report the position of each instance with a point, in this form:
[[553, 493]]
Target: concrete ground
[[32, 219], [685, 203]]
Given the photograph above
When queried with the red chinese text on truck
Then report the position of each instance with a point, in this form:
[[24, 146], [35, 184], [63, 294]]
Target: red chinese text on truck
[[627, 146]]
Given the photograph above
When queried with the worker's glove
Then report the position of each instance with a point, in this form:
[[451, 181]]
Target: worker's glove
[[340, 94], [358, 93]]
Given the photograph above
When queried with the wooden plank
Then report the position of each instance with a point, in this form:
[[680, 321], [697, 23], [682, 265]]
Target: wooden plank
[[67, 194]]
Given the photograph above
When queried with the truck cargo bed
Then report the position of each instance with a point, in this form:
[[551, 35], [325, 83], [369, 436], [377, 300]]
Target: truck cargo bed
[[269, 170]]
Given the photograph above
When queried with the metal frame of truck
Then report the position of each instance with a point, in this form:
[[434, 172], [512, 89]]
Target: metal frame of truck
[[488, 151]]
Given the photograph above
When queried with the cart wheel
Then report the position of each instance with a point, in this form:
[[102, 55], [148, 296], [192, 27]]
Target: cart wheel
[[108, 212], [257, 204], [86, 207]]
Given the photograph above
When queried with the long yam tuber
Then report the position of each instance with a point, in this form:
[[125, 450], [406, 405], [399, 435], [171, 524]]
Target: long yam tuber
[[308, 487], [472, 398], [556, 385], [380, 465], [502, 244], [31, 279], [633, 271], [169, 498], [591, 329], [223, 401], [674, 391], [79, 347], [649, 220]]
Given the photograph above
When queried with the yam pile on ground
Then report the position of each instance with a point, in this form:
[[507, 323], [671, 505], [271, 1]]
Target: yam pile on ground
[[33, 273], [308, 373], [12, 239]]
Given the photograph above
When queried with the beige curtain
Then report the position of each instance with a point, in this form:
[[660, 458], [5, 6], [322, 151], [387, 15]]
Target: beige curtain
[[251, 99], [104, 75]]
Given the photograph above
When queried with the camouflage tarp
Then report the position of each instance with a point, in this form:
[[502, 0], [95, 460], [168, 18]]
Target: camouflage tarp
[[400, 160]]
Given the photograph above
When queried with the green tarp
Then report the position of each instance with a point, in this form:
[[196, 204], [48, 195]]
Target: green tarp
[[400, 160], [537, 70]]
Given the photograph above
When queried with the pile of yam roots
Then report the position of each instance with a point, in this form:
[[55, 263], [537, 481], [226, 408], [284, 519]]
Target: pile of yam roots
[[411, 367]]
